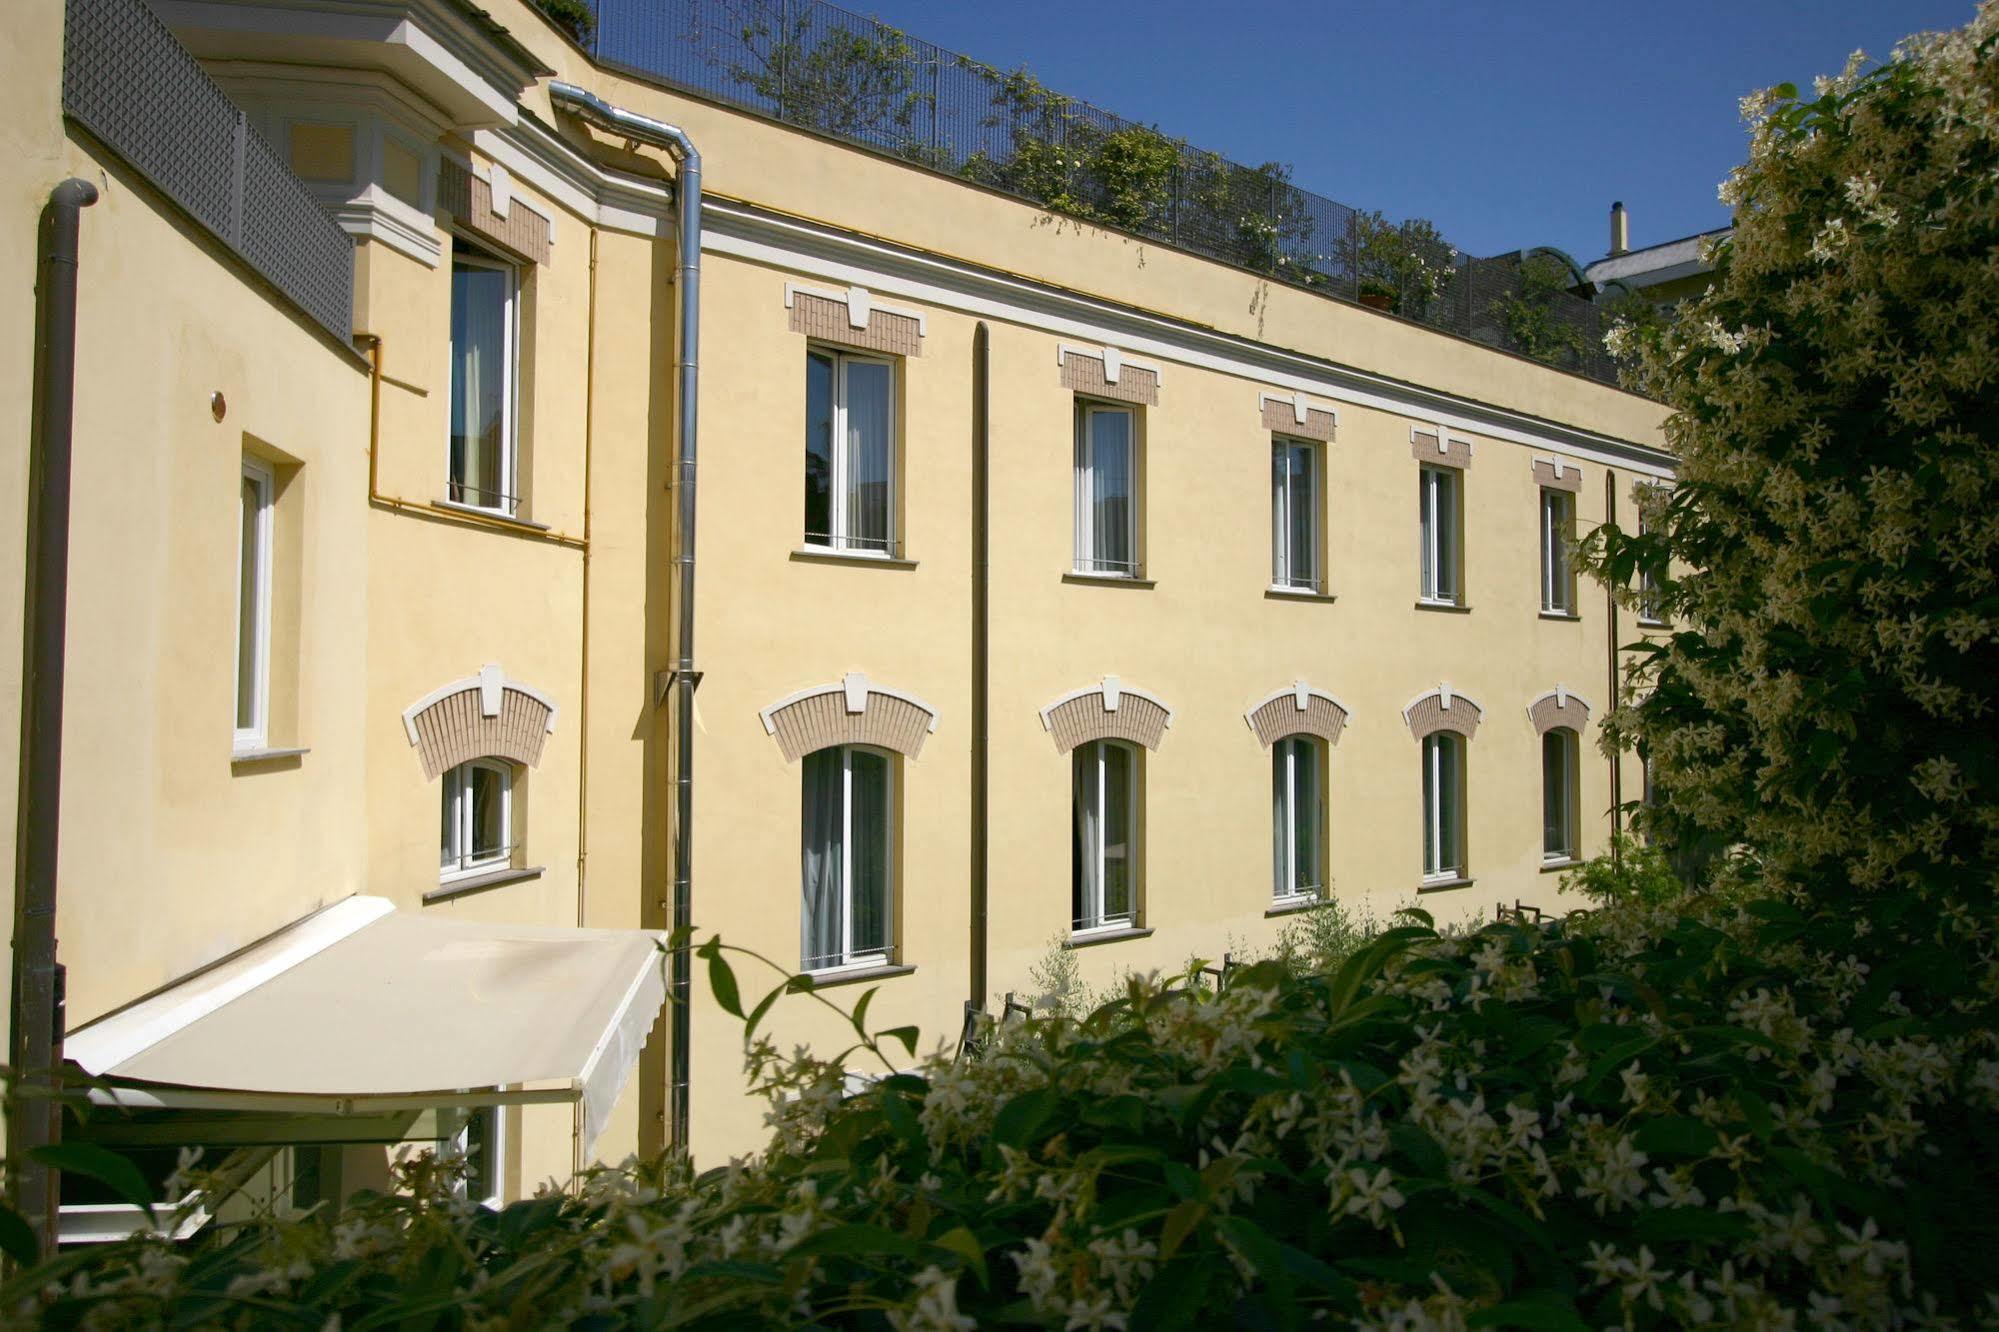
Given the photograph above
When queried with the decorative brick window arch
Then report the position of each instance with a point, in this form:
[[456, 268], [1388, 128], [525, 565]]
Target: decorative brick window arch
[[1298, 417], [1558, 708], [1298, 710], [1442, 709], [482, 716], [1437, 446], [1103, 372], [855, 711], [1558, 474], [853, 318], [1109, 711]]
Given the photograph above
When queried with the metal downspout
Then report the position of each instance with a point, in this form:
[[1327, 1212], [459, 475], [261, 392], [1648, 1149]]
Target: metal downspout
[[36, 1036], [685, 677], [1616, 755], [981, 629]]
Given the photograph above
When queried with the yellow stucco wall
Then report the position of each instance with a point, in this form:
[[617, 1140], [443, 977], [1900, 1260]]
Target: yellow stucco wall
[[391, 604]]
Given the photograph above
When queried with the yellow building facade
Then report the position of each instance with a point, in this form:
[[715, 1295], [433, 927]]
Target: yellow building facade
[[1051, 588]]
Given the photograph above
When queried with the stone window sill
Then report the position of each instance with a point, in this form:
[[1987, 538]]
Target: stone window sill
[[1569, 616], [479, 883], [1443, 885], [1297, 594], [497, 515], [1444, 607], [245, 758], [1090, 938], [809, 555], [822, 980], [1106, 580], [1291, 906], [1557, 866]]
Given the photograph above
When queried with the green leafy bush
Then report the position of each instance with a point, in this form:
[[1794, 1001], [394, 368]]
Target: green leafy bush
[[574, 18], [1646, 1118], [1829, 554]]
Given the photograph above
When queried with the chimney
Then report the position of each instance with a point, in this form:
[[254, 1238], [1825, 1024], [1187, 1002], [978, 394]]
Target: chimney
[[1620, 229]]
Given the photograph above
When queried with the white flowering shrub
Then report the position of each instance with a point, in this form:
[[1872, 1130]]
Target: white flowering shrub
[[1705, 1117], [1829, 554]]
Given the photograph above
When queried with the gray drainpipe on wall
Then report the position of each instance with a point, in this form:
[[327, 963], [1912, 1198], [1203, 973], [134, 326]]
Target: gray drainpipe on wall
[[36, 1037], [687, 278]]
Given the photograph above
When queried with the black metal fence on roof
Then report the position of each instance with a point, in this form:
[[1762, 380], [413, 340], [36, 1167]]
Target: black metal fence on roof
[[128, 81], [825, 68]]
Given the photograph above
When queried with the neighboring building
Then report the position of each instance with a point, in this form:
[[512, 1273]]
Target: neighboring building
[[1056, 589], [1666, 273]]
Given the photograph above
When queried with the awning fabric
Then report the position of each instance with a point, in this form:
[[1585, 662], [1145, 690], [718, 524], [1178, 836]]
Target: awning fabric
[[361, 1006]]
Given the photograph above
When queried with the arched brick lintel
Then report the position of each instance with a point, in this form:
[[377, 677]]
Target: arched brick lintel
[[1443, 709], [1109, 711], [481, 716], [1298, 710], [856, 711]]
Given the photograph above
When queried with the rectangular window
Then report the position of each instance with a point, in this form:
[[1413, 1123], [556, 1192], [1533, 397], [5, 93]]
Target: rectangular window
[[1298, 816], [483, 351], [1103, 865], [1558, 525], [253, 607], [477, 1136], [1106, 490], [1651, 609], [849, 453], [1294, 515], [1443, 806], [1437, 514], [1558, 794], [846, 858]]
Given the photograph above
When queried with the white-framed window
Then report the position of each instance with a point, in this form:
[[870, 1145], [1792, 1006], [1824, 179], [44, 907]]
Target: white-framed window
[[1440, 526], [477, 1136], [1651, 610], [1298, 817], [850, 452], [477, 823], [1106, 490], [253, 606], [1559, 775], [484, 364], [1443, 805], [847, 858], [1104, 863], [1558, 525], [1294, 515]]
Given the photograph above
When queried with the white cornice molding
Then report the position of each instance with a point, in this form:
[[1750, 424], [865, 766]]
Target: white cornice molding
[[742, 231], [539, 157]]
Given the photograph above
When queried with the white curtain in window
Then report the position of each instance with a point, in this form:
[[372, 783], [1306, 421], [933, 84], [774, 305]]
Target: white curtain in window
[[870, 468], [823, 858], [1437, 504], [1110, 491], [819, 413], [479, 305], [1116, 826], [1086, 876], [1557, 763]]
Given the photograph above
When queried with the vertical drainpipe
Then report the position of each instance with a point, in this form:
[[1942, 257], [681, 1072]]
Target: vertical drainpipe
[[36, 1037], [981, 631], [1610, 601], [685, 676]]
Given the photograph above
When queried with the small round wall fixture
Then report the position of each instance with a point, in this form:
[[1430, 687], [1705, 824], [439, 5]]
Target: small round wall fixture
[[218, 406]]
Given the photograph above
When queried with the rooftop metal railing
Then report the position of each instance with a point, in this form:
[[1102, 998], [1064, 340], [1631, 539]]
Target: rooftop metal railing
[[128, 81], [825, 68]]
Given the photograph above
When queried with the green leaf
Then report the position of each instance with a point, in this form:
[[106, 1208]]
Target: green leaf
[[1617, 1055], [17, 1237], [1180, 1223], [961, 1241], [907, 1035], [855, 1240], [1549, 1312], [1022, 1117], [1174, 1296], [1756, 1112], [108, 1168], [763, 1006], [1669, 1225], [722, 980], [860, 1016], [1676, 1135]]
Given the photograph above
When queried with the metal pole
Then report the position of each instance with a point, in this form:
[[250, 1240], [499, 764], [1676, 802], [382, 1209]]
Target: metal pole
[[36, 1037], [981, 630]]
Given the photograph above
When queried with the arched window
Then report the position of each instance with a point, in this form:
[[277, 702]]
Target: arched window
[[1103, 879], [1443, 806], [847, 858], [1298, 817], [477, 824], [1558, 795]]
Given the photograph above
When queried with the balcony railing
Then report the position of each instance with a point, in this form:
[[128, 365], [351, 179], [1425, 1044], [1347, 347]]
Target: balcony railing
[[816, 65], [138, 91]]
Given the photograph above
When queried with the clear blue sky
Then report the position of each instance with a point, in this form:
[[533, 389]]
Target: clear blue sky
[[1507, 122]]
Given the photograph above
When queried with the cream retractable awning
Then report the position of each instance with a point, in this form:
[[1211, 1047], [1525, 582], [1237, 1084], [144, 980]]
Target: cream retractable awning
[[361, 1007]]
